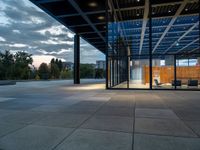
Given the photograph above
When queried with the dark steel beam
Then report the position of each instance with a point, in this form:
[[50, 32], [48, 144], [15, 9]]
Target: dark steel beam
[[85, 17], [77, 14], [84, 25], [76, 59], [48, 1], [81, 33]]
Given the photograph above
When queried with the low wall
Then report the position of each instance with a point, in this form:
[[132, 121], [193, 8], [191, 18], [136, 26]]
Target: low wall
[[7, 83]]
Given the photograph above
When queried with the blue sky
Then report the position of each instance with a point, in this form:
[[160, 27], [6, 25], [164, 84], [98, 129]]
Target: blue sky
[[23, 26]]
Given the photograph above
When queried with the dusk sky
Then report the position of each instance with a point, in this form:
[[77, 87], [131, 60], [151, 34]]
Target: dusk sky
[[25, 27]]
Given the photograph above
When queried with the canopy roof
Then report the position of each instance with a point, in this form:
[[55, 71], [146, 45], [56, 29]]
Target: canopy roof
[[175, 23]]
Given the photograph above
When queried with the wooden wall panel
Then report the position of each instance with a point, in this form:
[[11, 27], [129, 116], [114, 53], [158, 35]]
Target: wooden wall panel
[[166, 73]]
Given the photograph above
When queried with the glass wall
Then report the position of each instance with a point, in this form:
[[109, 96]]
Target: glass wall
[[153, 49], [139, 72], [188, 71], [117, 54], [163, 71]]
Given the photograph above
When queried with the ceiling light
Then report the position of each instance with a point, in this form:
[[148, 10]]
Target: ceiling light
[[93, 4], [186, 9], [101, 17], [138, 14], [177, 44], [138, 0], [169, 11]]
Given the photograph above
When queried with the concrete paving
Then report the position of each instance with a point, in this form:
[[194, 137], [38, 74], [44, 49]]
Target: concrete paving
[[57, 115]]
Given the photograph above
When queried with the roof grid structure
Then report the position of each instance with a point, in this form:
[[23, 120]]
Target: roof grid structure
[[88, 19]]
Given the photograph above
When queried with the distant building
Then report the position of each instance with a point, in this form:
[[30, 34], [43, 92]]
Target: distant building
[[101, 64], [68, 65]]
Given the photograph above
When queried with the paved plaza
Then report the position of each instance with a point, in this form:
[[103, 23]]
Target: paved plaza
[[57, 115]]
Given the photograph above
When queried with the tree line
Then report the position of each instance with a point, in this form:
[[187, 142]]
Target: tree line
[[19, 67], [55, 70], [15, 66]]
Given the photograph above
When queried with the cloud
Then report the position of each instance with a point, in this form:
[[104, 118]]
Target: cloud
[[54, 52], [62, 51], [2, 39], [54, 42], [18, 45], [16, 31], [70, 35], [24, 27]]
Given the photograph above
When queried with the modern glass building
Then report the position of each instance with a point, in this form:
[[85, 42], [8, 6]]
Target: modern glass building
[[149, 44]]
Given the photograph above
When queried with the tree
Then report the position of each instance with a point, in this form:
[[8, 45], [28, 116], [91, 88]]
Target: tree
[[43, 71], [21, 67], [56, 68], [87, 71], [1, 69], [52, 61], [55, 72], [56, 62], [60, 65], [7, 62], [66, 74]]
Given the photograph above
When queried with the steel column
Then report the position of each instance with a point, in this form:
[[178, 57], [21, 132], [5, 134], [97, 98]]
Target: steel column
[[175, 79], [76, 59], [150, 45], [199, 28], [107, 76]]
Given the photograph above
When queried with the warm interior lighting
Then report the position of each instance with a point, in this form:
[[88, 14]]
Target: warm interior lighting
[[101, 17], [86, 87], [93, 4]]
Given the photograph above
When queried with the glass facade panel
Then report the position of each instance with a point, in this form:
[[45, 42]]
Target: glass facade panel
[[153, 49], [139, 72], [188, 71], [163, 71]]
